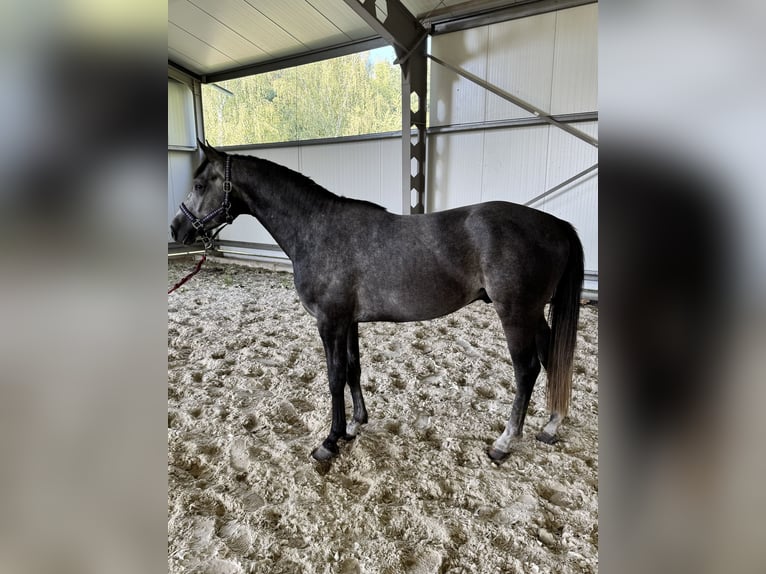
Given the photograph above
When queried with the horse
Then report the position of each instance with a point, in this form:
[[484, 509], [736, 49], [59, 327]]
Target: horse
[[356, 262]]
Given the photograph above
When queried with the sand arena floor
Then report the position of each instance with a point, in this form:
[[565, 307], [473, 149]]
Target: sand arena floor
[[415, 493]]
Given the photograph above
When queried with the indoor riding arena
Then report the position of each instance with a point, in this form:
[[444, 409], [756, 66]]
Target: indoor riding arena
[[414, 492], [500, 103]]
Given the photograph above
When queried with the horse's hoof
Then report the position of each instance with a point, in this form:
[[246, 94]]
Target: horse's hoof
[[496, 455], [543, 436], [322, 453], [353, 429]]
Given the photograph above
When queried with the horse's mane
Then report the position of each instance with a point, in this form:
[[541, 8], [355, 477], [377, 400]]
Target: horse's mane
[[295, 181]]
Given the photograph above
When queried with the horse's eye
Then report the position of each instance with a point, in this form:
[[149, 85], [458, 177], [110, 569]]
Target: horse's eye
[[197, 187]]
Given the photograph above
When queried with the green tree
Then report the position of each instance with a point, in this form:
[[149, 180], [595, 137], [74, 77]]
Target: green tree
[[332, 98]]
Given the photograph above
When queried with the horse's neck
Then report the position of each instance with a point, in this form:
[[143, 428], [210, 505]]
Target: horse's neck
[[280, 206]]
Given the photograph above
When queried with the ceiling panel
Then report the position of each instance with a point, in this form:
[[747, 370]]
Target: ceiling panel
[[219, 38], [422, 8], [210, 36], [211, 32], [343, 17], [303, 21], [243, 19], [197, 55]]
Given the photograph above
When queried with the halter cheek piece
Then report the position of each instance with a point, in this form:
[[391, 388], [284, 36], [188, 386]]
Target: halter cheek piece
[[199, 223]]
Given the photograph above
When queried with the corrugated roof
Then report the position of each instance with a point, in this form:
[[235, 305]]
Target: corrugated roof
[[213, 37]]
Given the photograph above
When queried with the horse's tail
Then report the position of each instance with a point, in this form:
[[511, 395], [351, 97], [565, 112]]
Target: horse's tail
[[563, 315]]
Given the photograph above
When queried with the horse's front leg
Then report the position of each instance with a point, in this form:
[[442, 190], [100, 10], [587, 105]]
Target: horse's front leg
[[334, 337], [354, 373]]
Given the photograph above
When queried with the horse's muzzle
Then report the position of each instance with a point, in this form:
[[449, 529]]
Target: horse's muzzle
[[181, 232]]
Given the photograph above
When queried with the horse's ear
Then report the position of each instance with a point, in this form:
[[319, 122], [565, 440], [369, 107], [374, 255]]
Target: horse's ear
[[205, 147], [209, 151]]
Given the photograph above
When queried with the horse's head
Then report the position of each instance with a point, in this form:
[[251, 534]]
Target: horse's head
[[208, 205]]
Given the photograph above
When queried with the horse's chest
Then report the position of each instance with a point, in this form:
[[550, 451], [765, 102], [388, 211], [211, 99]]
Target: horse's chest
[[325, 293], [311, 309]]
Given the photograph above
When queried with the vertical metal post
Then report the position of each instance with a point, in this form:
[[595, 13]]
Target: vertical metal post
[[414, 94], [392, 21]]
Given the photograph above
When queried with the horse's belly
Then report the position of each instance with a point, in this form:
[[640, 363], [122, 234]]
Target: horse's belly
[[417, 304]]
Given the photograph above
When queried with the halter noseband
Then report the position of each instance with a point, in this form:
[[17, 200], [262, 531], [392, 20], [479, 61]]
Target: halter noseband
[[199, 223]]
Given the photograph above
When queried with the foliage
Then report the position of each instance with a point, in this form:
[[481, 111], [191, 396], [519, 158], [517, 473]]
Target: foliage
[[338, 97]]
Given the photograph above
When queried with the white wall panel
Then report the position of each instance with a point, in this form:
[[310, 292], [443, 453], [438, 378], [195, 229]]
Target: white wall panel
[[568, 154], [575, 66], [453, 98], [578, 202], [286, 156], [520, 61], [248, 228], [514, 164], [391, 175], [181, 128], [355, 172], [550, 61], [454, 170], [180, 171]]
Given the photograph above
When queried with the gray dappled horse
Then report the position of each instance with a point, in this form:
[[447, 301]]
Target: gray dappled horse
[[356, 262]]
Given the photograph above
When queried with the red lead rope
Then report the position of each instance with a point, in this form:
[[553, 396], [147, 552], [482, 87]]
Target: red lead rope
[[190, 275]]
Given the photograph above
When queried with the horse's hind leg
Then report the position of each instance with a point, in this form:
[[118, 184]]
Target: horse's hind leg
[[543, 339], [354, 372], [521, 337], [548, 434]]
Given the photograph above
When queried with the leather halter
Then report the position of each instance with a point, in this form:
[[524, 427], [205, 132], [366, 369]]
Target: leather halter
[[199, 223]]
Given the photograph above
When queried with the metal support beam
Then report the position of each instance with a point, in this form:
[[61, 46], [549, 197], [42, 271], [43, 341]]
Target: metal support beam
[[543, 115], [472, 14], [510, 123], [184, 71], [563, 184], [396, 24], [392, 21]]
